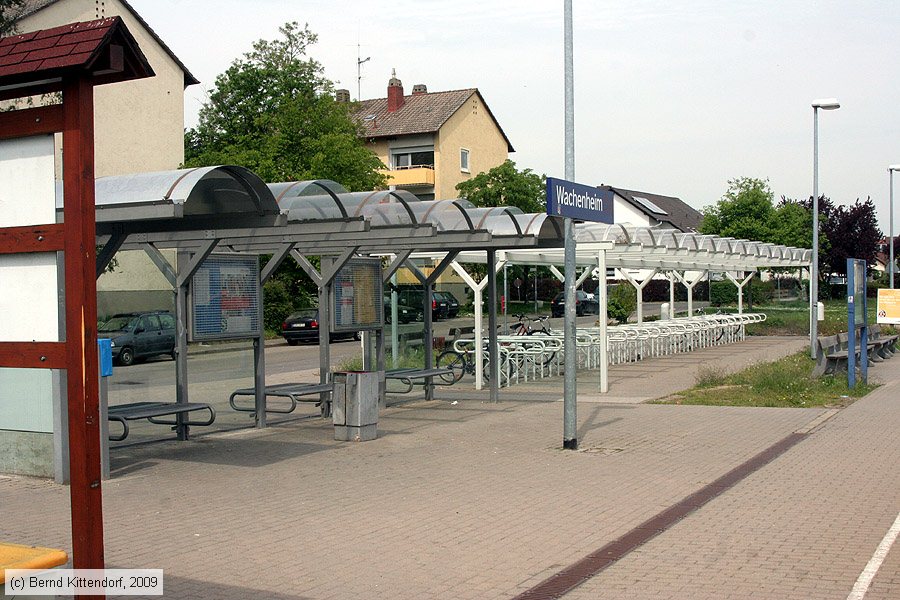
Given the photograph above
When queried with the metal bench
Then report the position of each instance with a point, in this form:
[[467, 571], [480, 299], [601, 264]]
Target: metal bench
[[413, 377], [152, 411], [295, 392]]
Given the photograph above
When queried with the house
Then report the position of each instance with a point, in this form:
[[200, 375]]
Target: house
[[431, 141], [643, 209], [139, 127], [139, 124]]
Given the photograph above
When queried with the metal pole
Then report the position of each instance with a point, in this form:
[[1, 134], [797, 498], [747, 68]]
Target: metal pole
[[395, 324], [891, 226], [493, 350], [814, 268], [603, 318], [505, 301], [570, 432]]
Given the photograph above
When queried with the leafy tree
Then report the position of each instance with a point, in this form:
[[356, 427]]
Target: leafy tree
[[745, 211], [622, 302], [9, 11], [273, 112], [504, 185]]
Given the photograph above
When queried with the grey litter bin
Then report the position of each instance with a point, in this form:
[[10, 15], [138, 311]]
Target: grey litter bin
[[355, 406]]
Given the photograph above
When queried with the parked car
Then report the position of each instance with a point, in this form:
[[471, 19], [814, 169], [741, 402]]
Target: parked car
[[303, 326], [139, 335], [585, 304], [452, 303], [405, 314], [415, 296]]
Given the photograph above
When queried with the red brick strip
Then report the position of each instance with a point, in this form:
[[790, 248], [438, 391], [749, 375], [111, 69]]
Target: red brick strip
[[564, 581]]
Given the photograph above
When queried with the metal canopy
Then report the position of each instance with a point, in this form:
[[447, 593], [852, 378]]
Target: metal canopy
[[207, 197], [629, 247]]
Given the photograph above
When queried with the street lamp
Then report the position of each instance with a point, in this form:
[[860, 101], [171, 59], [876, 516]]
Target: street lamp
[[891, 170], [824, 104]]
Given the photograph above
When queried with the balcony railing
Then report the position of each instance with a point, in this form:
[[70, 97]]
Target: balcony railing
[[416, 175]]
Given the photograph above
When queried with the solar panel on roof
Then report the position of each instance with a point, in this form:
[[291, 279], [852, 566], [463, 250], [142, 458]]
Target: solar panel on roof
[[649, 205]]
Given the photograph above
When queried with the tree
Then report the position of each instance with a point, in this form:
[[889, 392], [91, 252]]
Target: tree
[[9, 12], [745, 211], [273, 112], [504, 185]]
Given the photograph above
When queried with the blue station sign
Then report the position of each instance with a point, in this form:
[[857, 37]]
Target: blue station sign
[[577, 201]]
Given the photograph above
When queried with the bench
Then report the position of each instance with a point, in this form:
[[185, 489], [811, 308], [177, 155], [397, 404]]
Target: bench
[[17, 556], [831, 355], [885, 344], [152, 411], [295, 392], [413, 377]]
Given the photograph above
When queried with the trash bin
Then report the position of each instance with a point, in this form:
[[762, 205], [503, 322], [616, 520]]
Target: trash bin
[[355, 406], [664, 312]]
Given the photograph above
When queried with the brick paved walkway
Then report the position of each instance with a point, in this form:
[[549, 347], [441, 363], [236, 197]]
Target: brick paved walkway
[[473, 500]]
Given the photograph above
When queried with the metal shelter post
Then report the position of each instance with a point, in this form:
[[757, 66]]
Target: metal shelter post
[[672, 310], [639, 288], [493, 350], [690, 285], [740, 287], [603, 318]]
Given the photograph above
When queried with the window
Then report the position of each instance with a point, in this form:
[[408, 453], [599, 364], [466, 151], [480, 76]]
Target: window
[[463, 160], [407, 160], [150, 323]]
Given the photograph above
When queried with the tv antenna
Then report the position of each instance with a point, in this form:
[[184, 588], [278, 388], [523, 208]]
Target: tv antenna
[[359, 64]]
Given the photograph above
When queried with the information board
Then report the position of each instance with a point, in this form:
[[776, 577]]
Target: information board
[[358, 296], [888, 309], [225, 298], [859, 290]]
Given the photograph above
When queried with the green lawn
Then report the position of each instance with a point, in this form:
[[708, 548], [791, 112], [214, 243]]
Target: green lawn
[[792, 318], [784, 383]]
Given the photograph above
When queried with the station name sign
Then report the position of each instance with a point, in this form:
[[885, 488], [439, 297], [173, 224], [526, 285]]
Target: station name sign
[[577, 201]]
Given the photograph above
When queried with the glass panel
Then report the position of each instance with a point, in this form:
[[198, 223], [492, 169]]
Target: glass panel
[[26, 400]]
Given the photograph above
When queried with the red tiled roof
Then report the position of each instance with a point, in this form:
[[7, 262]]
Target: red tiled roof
[[420, 113], [53, 52], [30, 7]]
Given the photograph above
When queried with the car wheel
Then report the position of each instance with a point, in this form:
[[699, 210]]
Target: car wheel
[[293, 342], [126, 357], [173, 355], [357, 335]]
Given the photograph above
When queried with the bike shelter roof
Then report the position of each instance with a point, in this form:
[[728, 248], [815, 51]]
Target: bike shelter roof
[[630, 247]]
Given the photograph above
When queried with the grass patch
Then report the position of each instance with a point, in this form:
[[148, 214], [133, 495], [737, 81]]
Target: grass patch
[[792, 318], [784, 383], [412, 359]]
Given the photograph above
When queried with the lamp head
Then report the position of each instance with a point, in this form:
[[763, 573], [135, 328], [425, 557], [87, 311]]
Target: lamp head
[[826, 103]]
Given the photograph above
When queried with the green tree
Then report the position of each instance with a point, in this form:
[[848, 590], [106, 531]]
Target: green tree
[[504, 185], [273, 112], [745, 211], [9, 12]]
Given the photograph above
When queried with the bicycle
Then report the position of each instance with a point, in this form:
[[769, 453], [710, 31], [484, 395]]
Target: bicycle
[[523, 327], [463, 363]]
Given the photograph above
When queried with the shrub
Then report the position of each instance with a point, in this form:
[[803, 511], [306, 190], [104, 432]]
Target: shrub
[[277, 304], [622, 302]]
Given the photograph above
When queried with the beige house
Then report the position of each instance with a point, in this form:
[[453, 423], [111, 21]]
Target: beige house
[[139, 124], [431, 141], [139, 127]]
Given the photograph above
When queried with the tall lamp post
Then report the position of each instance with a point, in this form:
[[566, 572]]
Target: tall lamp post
[[891, 170], [824, 104]]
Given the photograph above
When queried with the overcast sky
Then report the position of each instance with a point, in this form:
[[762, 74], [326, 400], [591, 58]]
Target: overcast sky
[[673, 98]]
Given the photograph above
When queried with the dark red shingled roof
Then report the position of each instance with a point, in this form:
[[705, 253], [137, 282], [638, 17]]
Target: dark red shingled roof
[[77, 46]]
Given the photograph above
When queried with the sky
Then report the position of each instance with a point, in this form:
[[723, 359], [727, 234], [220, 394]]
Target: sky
[[672, 98]]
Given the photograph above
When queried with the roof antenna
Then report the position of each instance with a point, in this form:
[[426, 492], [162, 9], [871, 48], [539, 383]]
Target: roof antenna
[[359, 64]]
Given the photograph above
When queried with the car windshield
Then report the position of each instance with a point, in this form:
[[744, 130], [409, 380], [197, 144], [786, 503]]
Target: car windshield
[[118, 323]]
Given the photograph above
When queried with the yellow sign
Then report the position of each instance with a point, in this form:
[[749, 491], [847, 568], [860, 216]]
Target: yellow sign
[[888, 307]]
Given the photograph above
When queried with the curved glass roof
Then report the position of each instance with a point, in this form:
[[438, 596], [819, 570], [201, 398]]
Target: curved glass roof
[[220, 192]]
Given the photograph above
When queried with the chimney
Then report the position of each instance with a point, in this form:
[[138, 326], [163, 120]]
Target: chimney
[[342, 95], [395, 93], [420, 88]]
